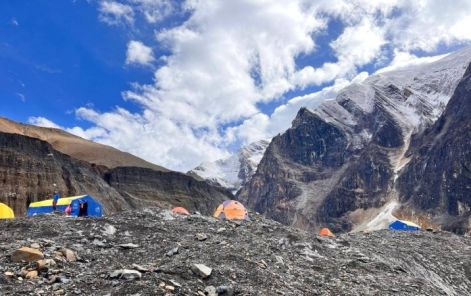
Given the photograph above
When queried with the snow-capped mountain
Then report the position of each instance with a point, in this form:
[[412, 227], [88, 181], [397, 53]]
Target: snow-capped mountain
[[340, 162], [234, 171]]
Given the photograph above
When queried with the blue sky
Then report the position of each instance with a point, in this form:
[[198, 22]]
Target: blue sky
[[56, 56], [178, 83]]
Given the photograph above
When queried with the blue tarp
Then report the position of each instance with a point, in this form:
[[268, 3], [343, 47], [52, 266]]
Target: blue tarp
[[90, 206], [403, 226]]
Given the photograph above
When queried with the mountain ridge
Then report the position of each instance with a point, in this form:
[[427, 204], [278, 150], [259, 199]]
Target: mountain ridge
[[345, 156], [78, 147], [31, 169]]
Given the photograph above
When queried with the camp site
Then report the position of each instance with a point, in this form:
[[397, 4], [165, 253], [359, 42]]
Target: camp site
[[235, 148], [81, 206]]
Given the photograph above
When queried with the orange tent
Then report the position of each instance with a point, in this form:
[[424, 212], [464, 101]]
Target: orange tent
[[326, 232], [231, 210], [180, 211]]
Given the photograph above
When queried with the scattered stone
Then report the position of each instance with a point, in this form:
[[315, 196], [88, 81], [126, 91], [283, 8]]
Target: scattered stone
[[70, 255], [225, 290], [176, 284], [109, 230], [26, 254], [201, 270], [9, 274], [129, 246], [210, 291], [169, 288], [220, 230], [139, 268], [237, 263], [99, 243], [44, 264], [172, 252], [262, 264], [31, 274], [53, 279], [201, 236], [35, 246], [126, 274], [64, 280]]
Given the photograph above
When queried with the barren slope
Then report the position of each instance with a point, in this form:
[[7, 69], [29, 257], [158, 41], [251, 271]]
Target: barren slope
[[77, 147]]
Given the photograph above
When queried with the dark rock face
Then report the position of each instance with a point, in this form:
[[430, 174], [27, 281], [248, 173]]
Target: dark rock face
[[318, 143], [364, 184], [312, 175], [165, 189], [157, 254], [347, 155], [29, 167], [437, 179]]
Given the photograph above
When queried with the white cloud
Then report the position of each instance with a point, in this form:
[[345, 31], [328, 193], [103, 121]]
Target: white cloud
[[21, 96], [91, 133], [262, 126], [230, 56], [154, 138], [138, 53], [404, 59], [43, 122], [425, 24], [154, 10], [115, 13], [358, 45]]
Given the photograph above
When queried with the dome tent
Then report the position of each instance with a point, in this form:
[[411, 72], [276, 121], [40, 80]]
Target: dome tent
[[326, 232], [83, 205], [403, 225], [231, 210], [180, 211], [6, 212]]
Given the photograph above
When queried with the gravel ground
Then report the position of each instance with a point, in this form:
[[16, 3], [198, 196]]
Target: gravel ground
[[158, 253]]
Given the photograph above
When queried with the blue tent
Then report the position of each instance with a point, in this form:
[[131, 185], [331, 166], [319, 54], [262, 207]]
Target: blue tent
[[83, 205], [403, 226]]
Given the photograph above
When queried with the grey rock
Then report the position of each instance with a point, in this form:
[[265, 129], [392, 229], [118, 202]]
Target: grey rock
[[201, 236], [172, 252], [201, 270], [126, 274], [129, 246]]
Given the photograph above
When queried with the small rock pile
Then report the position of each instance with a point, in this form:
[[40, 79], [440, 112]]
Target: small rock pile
[[46, 269], [151, 252]]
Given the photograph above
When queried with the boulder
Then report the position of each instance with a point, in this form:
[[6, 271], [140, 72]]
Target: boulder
[[26, 254]]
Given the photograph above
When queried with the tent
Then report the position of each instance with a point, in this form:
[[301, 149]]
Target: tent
[[6, 212], [231, 210], [180, 210], [326, 232], [83, 205], [403, 225]]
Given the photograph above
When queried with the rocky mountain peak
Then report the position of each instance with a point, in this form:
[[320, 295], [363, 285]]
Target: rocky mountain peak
[[234, 171], [339, 163]]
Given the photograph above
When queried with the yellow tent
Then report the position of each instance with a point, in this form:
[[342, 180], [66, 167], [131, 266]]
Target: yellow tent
[[6, 212]]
